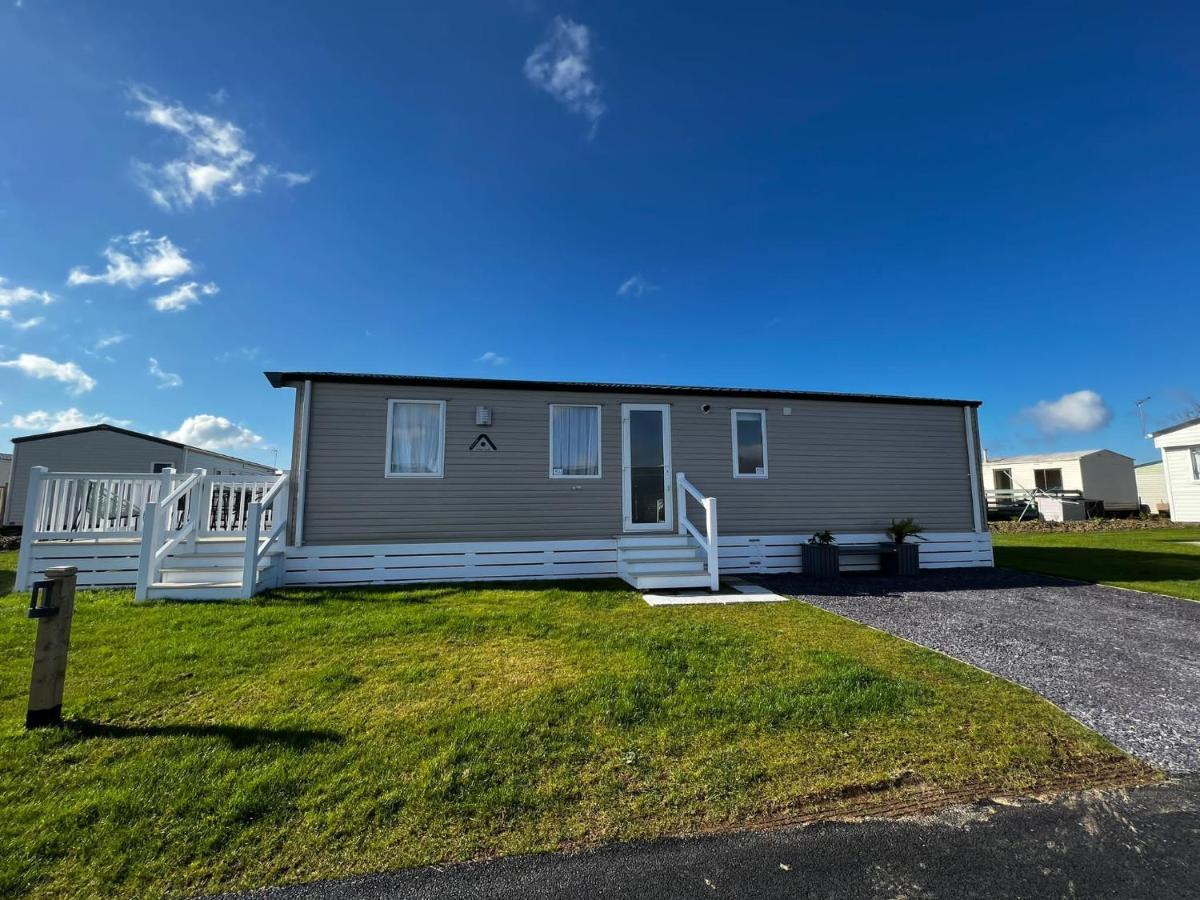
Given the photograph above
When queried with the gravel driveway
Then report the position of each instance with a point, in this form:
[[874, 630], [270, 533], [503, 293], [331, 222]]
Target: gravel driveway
[[1124, 663]]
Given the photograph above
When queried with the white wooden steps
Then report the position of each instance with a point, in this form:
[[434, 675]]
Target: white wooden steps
[[211, 571], [657, 562]]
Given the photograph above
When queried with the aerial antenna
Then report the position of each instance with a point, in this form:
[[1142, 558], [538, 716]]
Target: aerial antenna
[[1142, 414]]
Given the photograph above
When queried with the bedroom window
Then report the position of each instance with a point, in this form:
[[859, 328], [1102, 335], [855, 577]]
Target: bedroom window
[[1048, 479], [749, 443], [574, 441], [416, 444]]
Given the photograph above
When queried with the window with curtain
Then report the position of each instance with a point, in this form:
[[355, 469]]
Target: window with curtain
[[416, 438], [574, 441], [749, 443]]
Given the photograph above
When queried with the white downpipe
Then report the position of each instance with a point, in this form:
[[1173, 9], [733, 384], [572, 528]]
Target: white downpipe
[[973, 469], [302, 475], [29, 526]]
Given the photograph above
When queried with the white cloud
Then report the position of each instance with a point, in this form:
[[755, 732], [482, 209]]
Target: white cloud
[[165, 379], [183, 296], [1079, 412], [40, 420], [77, 380], [635, 286], [15, 296], [20, 324], [135, 259], [215, 161], [562, 67], [249, 354], [213, 433], [109, 340], [491, 358]]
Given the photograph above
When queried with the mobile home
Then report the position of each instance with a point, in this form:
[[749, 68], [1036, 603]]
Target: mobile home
[[401, 479], [1180, 449], [1098, 481]]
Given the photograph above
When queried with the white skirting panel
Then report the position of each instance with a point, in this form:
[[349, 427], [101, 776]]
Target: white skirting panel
[[483, 561], [109, 563], [517, 560], [781, 553]]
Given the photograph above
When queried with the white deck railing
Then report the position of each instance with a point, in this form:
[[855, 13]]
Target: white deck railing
[[707, 541], [162, 512]]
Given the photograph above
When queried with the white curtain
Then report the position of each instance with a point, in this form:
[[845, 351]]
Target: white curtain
[[416, 438], [576, 446]]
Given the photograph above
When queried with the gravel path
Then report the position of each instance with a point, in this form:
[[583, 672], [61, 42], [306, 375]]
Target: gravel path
[[1124, 663]]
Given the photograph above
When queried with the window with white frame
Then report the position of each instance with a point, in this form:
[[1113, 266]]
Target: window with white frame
[[1196, 463], [416, 444], [574, 441], [749, 443]]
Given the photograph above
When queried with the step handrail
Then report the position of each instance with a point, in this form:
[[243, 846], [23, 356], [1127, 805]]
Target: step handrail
[[707, 541]]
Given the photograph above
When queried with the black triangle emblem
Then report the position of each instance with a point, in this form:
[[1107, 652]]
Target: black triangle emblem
[[484, 443]]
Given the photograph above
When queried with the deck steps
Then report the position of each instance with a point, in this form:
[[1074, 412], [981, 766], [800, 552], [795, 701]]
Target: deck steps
[[658, 562]]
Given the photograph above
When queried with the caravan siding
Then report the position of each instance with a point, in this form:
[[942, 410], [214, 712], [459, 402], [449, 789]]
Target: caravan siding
[[91, 451], [1151, 485], [1109, 477], [846, 466]]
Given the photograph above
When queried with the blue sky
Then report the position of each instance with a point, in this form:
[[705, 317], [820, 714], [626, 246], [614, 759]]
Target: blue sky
[[997, 203]]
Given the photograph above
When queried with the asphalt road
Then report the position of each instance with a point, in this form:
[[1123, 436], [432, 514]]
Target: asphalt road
[[1125, 664], [1138, 843]]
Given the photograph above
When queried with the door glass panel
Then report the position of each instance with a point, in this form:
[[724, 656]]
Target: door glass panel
[[647, 472]]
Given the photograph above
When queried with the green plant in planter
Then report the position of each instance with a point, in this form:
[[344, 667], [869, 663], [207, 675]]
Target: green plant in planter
[[822, 537], [902, 529]]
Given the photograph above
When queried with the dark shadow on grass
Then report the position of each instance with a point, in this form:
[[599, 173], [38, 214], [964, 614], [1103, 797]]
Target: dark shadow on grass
[[1100, 564], [237, 736]]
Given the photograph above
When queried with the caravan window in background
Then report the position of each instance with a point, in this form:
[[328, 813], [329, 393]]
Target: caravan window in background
[[1048, 479], [1003, 479], [416, 441]]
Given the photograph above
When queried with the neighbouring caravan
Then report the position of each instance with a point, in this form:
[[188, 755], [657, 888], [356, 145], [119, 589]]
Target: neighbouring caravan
[[1085, 482], [1152, 488], [1180, 449], [99, 449]]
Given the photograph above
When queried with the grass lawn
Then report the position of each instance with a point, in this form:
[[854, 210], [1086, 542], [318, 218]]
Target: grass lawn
[[1158, 560], [311, 734]]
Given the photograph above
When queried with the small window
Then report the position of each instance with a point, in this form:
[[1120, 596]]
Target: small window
[[1002, 479], [749, 443], [574, 441], [1196, 463], [161, 467], [416, 444], [1048, 479]]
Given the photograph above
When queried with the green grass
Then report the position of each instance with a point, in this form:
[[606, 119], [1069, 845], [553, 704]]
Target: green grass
[[1158, 560], [328, 733]]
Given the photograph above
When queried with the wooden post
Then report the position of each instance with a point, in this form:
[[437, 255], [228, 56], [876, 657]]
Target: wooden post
[[714, 549], [250, 560], [33, 498], [681, 502], [146, 551], [50, 651]]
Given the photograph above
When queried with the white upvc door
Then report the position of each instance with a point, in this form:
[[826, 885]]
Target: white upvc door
[[647, 483]]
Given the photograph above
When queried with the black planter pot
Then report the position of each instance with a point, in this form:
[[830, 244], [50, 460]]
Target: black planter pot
[[820, 560], [905, 561]]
